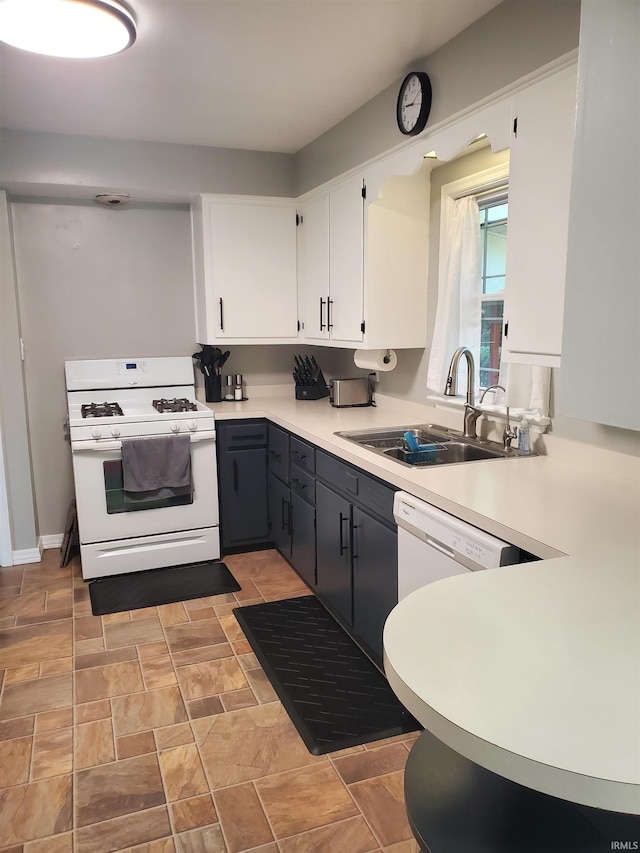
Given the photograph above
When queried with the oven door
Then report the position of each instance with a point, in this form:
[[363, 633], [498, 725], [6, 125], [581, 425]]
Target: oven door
[[105, 513]]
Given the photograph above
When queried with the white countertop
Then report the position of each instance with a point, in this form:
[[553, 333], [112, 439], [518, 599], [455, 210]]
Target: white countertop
[[532, 671]]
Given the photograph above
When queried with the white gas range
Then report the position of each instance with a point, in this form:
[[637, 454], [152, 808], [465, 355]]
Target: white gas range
[[116, 400]]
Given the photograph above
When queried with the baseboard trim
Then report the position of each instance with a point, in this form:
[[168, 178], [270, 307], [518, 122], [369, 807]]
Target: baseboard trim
[[27, 555], [51, 540]]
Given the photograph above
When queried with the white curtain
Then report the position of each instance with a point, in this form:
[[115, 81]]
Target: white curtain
[[458, 311]]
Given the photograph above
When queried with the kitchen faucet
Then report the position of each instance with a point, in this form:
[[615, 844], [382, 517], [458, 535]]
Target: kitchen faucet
[[509, 433], [471, 414]]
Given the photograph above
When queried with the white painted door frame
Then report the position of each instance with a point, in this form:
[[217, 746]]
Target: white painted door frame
[[6, 549]]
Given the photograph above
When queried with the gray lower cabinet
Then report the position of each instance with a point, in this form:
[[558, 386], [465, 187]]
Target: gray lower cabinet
[[335, 525], [279, 504], [242, 484], [357, 549], [375, 577], [291, 501], [303, 538], [333, 529]]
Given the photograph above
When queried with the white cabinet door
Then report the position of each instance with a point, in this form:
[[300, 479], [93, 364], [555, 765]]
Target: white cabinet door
[[313, 267], [539, 189], [600, 359], [346, 261], [249, 269]]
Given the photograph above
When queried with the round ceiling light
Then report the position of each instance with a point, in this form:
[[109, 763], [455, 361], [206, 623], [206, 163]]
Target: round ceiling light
[[77, 29]]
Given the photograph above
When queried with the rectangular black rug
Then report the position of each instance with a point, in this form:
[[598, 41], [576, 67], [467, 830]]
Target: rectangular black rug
[[334, 695], [160, 586]]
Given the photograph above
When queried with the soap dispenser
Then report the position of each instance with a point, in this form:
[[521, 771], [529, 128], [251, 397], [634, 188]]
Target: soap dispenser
[[524, 441]]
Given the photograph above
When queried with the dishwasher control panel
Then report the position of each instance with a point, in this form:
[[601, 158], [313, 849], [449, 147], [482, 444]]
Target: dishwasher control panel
[[465, 543]]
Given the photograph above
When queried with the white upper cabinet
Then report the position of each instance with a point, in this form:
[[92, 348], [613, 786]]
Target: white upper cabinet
[[245, 269], [600, 358], [346, 261], [363, 262], [539, 190], [330, 240], [313, 267]]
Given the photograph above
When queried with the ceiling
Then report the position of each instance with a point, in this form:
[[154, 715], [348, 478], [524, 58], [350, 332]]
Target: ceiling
[[268, 75]]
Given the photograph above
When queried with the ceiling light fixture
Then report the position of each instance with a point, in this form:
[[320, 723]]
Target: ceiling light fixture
[[77, 29]]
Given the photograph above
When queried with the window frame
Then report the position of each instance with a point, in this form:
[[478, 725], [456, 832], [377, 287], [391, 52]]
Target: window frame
[[495, 179], [487, 200]]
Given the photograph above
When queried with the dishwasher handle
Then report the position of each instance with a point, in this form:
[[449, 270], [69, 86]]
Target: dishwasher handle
[[448, 552]]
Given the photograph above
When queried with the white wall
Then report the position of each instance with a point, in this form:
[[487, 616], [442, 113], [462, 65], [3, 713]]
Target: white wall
[[514, 39], [93, 283], [54, 164]]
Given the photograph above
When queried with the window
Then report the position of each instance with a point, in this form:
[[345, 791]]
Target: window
[[493, 229], [471, 276]]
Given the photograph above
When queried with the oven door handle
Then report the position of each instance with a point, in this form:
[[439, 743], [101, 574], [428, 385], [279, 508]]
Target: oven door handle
[[104, 446]]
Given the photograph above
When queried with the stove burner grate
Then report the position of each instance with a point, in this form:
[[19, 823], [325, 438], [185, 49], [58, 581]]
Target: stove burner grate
[[177, 404], [101, 410]]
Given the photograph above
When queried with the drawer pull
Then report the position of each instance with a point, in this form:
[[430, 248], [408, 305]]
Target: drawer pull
[[343, 547]]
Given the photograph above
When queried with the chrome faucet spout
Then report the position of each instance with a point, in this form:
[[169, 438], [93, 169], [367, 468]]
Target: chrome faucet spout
[[471, 414], [509, 433], [451, 388]]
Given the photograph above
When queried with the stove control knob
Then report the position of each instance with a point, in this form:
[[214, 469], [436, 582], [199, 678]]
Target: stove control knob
[[115, 431], [175, 427], [192, 426], [96, 432]]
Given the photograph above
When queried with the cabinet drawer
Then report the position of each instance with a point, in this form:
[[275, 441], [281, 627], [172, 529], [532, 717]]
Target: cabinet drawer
[[303, 483], [377, 497], [355, 484], [278, 452], [302, 454], [238, 436]]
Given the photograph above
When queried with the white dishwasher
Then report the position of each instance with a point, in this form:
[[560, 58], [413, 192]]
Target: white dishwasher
[[433, 545]]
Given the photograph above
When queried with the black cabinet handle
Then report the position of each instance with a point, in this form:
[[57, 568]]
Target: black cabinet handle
[[274, 454], [343, 547], [299, 483], [235, 476], [354, 556], [286, 521], [221, 315], [321, 320], [329, 304]]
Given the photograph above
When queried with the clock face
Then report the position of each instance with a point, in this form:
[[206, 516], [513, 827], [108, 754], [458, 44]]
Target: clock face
[[414, 103]]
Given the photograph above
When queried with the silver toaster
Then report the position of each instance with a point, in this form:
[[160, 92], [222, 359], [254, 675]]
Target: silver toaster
[[351, 392]]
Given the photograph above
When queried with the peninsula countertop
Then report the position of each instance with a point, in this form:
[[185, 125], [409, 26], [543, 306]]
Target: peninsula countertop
[[532, 671]]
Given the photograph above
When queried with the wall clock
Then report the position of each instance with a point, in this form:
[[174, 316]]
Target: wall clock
[[414, 103]]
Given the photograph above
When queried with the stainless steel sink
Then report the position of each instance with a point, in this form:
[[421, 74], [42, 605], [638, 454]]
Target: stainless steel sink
[[390, 437], [445, 454], [446, 447]]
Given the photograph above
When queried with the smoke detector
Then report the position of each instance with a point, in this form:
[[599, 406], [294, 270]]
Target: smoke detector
[[114, 199]]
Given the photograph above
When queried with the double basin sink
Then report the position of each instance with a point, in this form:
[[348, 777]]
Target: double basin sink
[[443, 446]]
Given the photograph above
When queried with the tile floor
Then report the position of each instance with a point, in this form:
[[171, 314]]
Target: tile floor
[[156, 731]]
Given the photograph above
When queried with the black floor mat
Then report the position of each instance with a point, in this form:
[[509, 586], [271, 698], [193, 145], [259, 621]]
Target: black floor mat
[[335, 696], [160, 586]]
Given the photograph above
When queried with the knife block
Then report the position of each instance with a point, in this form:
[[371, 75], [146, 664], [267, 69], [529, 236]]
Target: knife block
[[312, 392]]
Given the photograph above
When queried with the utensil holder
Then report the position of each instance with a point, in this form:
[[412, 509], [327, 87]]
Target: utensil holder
[[213, 388]]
